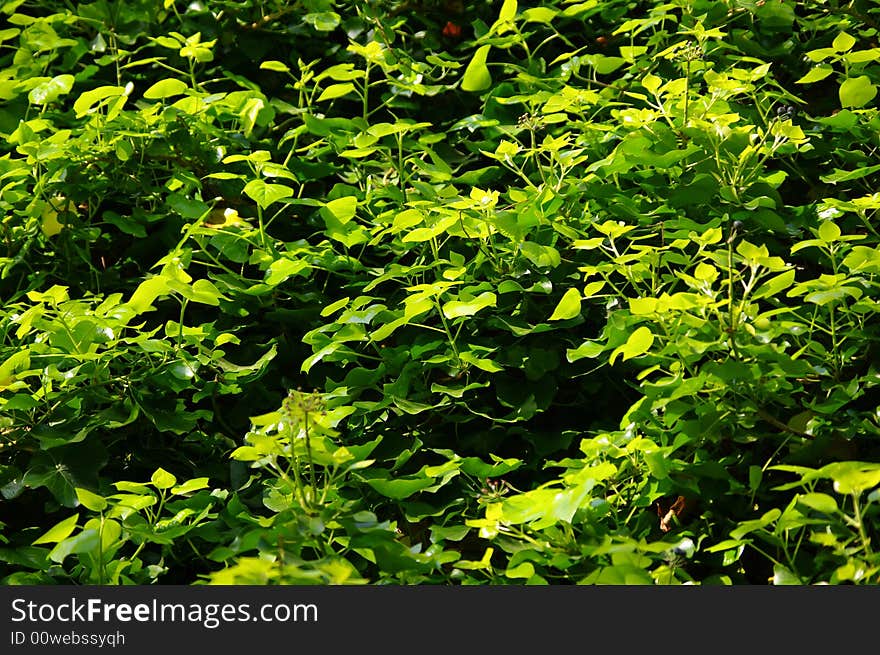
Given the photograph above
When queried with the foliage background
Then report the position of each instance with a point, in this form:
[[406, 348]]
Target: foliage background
[[439, 292]]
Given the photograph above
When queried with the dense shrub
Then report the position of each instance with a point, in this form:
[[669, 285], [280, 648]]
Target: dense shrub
[[439, 292]]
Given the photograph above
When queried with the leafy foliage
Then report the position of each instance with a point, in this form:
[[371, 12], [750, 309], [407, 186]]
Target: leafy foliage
[[335, 292]]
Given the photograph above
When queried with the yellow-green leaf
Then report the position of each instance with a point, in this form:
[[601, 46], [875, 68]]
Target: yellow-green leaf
[[86, 541], [829, 232], [458, 308], [190, 485], [336, 91], [398, 489], [569, 306], [857, 91], [816, 74], [162, 479], [90, 98], [165, 89], [843, 42], [638, 343], [90, 500], [276, 66], [476, 75], [147, 292], [264, 194], [51, 90], [58, 532], [508, 11], [343, 209]]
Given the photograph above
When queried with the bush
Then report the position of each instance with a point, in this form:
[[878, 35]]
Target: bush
[[417, 292]]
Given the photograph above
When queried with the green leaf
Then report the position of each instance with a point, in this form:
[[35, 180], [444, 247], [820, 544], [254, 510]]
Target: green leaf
[[629, 53], [89, 99], [658, 463], [400, 488], [343, 209], [829, 232], [543, 15], [747, 527], [857, 92], [638, 343], [839, 175], [188, 207], [162, 479], [132, 487], [332, 307], [265, 194], [843, 120], [168, 42], [165, 89], [205, 292], [283, 268], [816, 74], [50, 91], [568, 307], [484, 563], [784, 576], [523, 570], [862, 56], [605, 65], [508, 11], [421, 234], [325, 21], [246, 454], [541, 256], [476, 75], [59, 531], [91, 500], [774, 285], [819, 502], [458, 308], [10, 33], [85, 542], [276, 66], [545, 506], [843, 42], [756, 474], [481, 363], [476, 466], [852, 477], [590, 349], [336, 91], [182, 371], [651, 83], [16, 362], [727, 544], [619, 574], [147, 291], [190, 485]]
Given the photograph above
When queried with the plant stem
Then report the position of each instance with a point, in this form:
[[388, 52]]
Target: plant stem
[[860, 524], [309, 455]]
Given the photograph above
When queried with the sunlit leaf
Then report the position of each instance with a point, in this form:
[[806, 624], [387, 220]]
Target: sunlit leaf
[[857, 91], [59, 531], [264, 194], [50, 91], [165, 89], [569, 306], [458, 308], [91, 500], [84, 542], [336, 91], [638, 343], [162, 479], [476, 75]]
